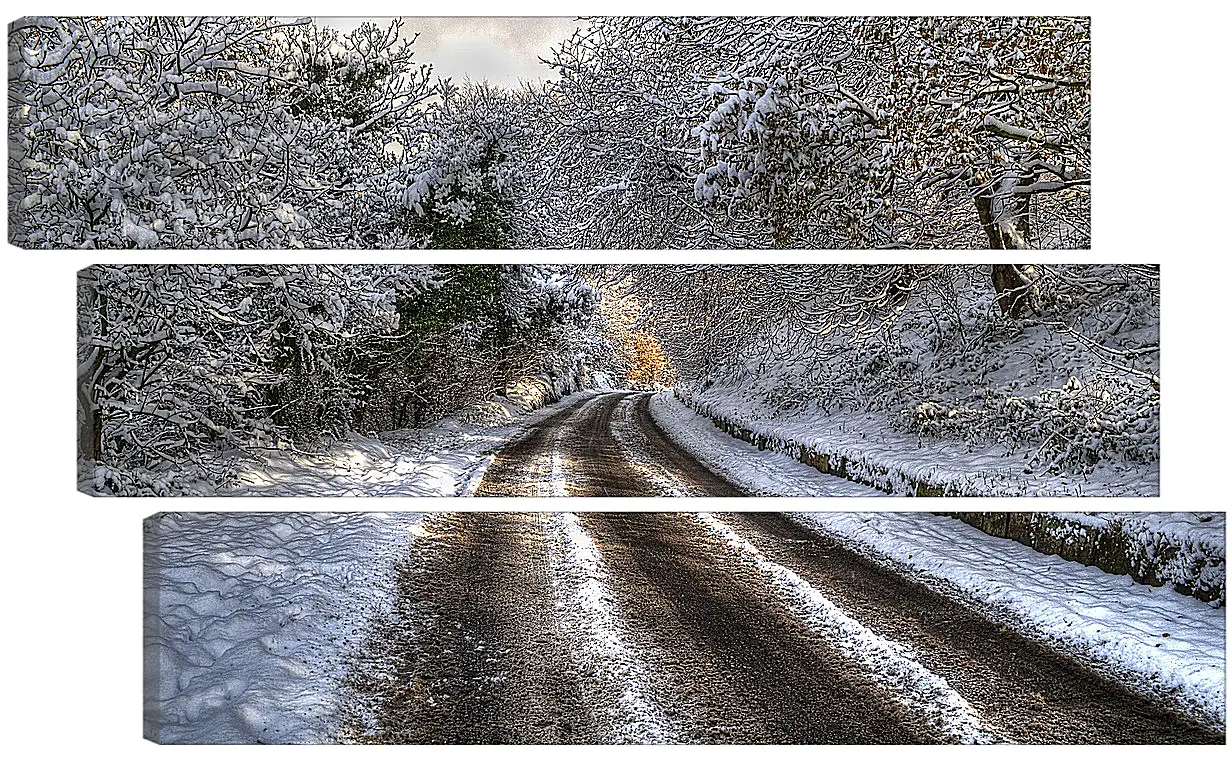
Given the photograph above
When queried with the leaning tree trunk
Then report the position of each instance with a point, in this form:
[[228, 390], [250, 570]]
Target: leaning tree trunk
[[1005, 218]]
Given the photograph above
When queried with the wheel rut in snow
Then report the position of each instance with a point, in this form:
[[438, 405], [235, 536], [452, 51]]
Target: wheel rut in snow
[[523, 466], [595, 463], [471, 653], [737, 666], [1028, 692]]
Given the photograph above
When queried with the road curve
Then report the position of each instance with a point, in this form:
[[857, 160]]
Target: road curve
[[606, 445], [705, 628]]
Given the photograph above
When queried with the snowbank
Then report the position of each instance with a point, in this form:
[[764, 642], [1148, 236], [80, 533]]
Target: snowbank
[[1166, 645], [863, 447], [248, 617], [761, 472], [439, 460], [1183, 550]]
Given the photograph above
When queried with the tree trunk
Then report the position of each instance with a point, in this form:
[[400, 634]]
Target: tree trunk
[[89, 370], [1013, 285], [89, 416], [985, 214], [1004, 218]]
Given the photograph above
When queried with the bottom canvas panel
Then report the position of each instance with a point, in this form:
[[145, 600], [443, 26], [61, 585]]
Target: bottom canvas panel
[[711, 627]]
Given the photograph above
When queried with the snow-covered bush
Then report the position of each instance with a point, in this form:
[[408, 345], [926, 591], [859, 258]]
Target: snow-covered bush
[[474, 186], [1075, 427]]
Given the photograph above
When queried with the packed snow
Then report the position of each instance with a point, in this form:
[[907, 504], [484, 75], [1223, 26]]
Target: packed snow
[[766, 473], [589, 615], [1161, 643], [249, 618]]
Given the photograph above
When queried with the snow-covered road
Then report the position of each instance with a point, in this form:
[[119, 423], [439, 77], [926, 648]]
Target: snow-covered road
[[627, 444]]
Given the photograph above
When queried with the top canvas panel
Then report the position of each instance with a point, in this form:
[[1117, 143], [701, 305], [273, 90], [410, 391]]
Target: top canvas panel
[[611, 133]]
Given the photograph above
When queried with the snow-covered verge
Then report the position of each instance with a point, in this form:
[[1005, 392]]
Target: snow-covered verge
[[443, 459], [864, 447], [762, 472], [1163, 644], [929, 381], [1183, 550], [248, 617]]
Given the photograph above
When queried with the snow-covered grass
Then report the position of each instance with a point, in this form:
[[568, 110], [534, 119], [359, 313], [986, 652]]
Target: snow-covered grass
[[889, 663], [249, 618], [1163, 644], [444, 459], [588, 614], [766, 473]]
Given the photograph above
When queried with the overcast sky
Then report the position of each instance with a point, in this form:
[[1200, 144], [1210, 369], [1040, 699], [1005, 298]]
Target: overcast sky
[[500, 50]]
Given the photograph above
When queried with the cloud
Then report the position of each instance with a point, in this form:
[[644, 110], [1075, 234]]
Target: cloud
[[501, 50]]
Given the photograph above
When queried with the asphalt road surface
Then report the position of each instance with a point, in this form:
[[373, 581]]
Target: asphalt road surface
[[606, 445], [705, 628]]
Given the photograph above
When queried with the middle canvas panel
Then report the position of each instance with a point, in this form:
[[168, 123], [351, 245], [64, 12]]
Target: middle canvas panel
[[619, 380]]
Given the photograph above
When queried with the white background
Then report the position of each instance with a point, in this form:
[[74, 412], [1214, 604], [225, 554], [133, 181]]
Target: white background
[[72, 564]]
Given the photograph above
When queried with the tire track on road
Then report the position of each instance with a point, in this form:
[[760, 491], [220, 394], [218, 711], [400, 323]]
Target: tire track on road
[[734, 663], [576, 451], [472, 653], [663, 463]]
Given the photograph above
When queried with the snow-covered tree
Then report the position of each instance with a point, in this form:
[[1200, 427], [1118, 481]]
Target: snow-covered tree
[[989, 119], [184, 367], [824, 132], [471, 173], [200, 132], [657, 132], [615, 161], [481, 329], [179, 364]]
